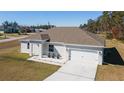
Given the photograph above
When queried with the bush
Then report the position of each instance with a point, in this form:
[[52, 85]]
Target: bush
[[121, 38], [19, 33], [1, 34], [109, 36]]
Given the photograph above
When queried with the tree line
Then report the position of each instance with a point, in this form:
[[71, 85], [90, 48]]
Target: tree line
[[111, 22], [14, 27]]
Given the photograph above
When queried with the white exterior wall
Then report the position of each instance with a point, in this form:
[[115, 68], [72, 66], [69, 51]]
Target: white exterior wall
[[36, 49], [39, 49], [24, 47], [45, 49], [62, 51], [100, 57]]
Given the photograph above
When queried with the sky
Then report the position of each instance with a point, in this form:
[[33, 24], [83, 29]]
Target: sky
[[58, 18]]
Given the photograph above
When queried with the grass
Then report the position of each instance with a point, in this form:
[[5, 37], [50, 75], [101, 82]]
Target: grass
[[102, 34], [2, 37], [10, 35], [110, 73], [117, 44], [13, 35], [9, 44], [14, 65]]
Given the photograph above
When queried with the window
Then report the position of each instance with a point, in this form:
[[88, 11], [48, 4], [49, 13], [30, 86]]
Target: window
[[28, 46], [51, 48]]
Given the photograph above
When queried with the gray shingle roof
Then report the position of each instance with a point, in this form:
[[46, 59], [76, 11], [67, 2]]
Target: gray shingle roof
[[73, 35]]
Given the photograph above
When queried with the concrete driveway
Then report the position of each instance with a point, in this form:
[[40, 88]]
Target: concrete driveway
[[75, 71]]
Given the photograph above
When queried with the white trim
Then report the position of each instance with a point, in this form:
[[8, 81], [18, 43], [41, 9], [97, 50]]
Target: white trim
[[62, 43], [85, 45], [29, 40], [81, 45], [88, 50]]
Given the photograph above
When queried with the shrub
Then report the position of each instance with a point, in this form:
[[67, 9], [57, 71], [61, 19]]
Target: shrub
[[19, 32], [1, 34], [109, 36]]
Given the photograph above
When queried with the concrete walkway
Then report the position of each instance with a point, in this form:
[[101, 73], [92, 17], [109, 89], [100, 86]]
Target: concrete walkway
[[11, 39], [75, 71]]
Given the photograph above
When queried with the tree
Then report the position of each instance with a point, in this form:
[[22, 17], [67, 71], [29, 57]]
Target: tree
[[111, 22], [91, 26], [5, 26], [118, 24], [15, 27], [81, 26], [10, 27]]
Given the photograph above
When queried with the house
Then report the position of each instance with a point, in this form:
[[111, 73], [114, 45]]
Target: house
[[40, 30], [1, 32], [62, 44]]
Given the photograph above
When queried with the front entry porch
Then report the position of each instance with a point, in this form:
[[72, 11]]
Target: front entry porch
[[49, 53], [48, 60]]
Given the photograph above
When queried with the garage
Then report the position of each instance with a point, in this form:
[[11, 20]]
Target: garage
[[84, 56], [81, 66]]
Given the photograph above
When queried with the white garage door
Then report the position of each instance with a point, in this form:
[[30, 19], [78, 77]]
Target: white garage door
[[84, 56]]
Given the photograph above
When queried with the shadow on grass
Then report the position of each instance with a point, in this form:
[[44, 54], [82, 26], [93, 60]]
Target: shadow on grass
[[112, 56]]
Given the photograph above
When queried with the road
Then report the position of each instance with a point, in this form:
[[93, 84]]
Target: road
[[12, 39]]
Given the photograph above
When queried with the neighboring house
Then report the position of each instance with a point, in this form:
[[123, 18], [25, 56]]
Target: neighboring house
[[40, 30], [61, 44], [1, 32]]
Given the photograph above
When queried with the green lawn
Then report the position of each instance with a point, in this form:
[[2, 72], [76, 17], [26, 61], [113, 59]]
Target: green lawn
[[10, 35], [2, 37], [13, 35], [14, 66], [9, 44]]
